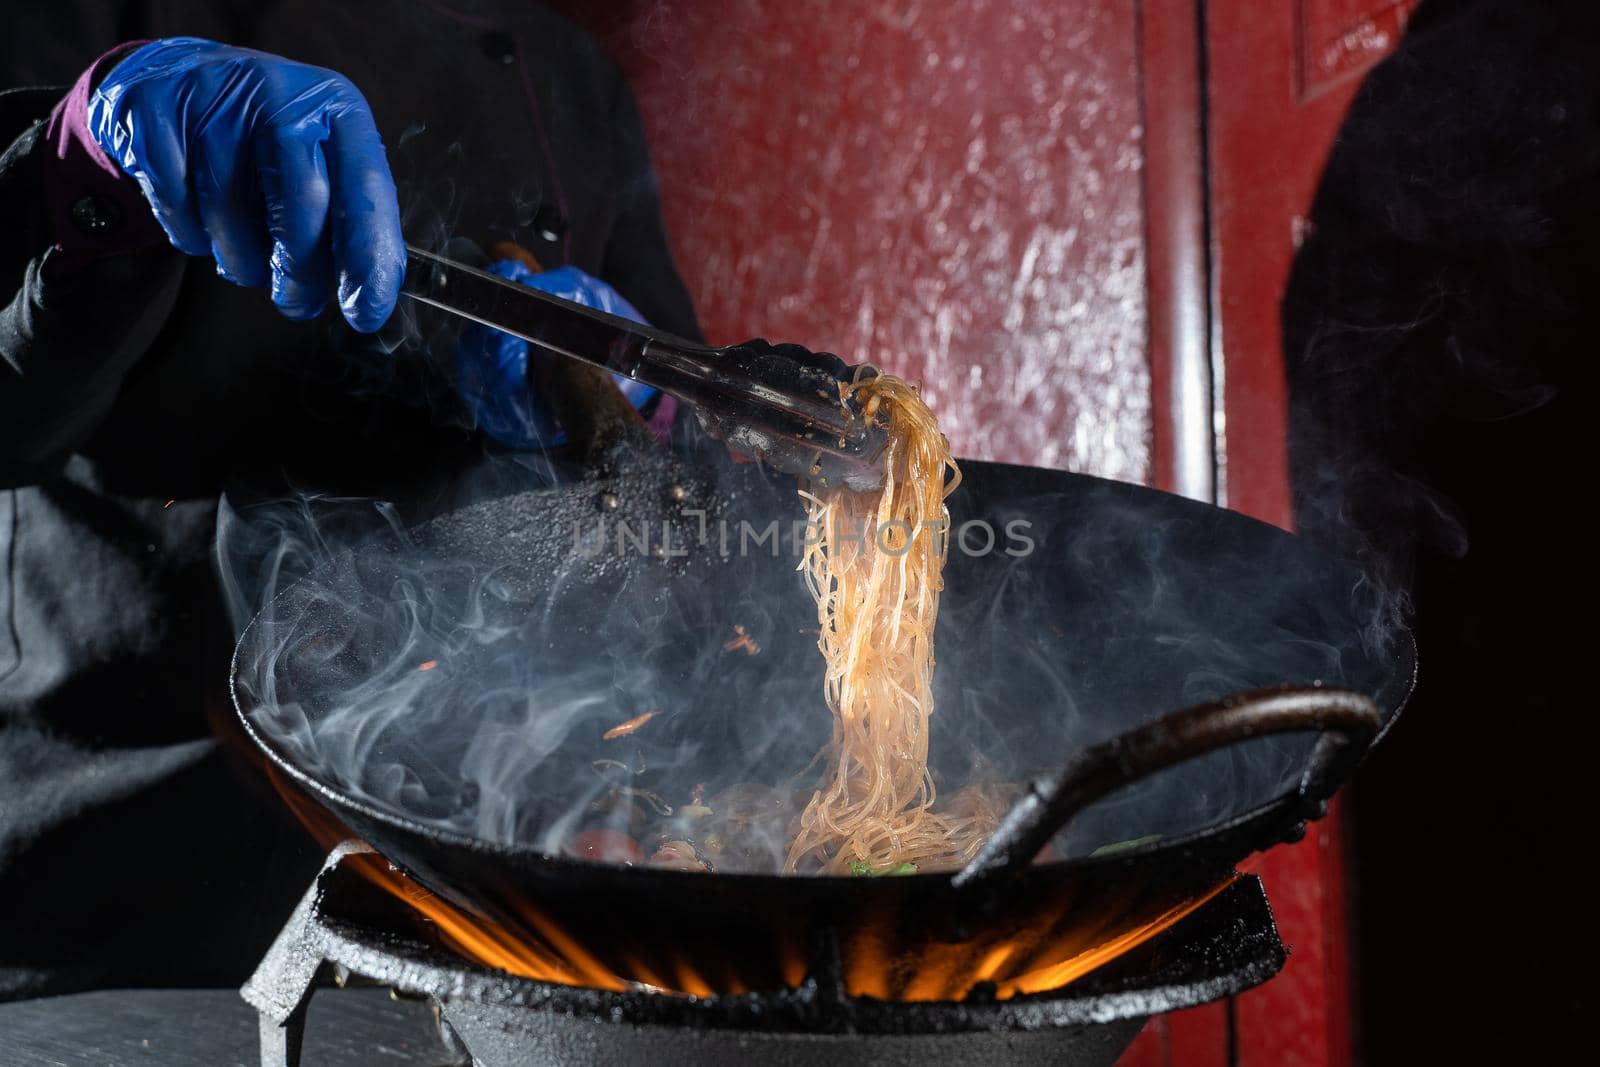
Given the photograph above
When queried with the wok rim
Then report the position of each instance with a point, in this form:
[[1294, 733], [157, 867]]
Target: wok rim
[[1275, 817]]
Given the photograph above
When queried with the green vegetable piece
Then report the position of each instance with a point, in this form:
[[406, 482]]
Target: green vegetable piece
[[861, 869]]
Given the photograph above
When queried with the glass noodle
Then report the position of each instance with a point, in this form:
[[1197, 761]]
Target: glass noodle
[[876, 573]]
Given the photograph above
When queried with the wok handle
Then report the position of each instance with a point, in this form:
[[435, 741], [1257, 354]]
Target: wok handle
[[1347, 720]]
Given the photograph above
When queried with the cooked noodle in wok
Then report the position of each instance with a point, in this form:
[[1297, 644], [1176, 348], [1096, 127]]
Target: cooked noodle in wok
[[874, 564]]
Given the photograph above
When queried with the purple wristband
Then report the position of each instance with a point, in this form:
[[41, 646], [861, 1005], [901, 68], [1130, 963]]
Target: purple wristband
[[660, 421], [96, 210]]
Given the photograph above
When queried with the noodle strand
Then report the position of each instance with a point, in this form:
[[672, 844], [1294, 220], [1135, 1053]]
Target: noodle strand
[[876, 588]]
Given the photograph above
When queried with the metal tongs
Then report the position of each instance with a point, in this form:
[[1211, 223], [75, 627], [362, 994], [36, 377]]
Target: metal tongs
[[782, 403]]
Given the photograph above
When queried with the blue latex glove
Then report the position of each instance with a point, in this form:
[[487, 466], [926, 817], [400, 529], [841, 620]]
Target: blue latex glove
[[273, 168], [492, 367]]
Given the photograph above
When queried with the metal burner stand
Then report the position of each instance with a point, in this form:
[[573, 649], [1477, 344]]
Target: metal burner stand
[[345, 929]]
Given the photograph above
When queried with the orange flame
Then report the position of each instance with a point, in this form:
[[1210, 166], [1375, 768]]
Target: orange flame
[[1068, 970], [1015, 964], [540, 949], [563, 961]]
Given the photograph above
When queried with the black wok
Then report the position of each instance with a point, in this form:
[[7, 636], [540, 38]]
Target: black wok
[[1130, 603]]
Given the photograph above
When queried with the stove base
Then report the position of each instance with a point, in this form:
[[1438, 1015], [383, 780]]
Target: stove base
[[345, 928], [502, 1037]]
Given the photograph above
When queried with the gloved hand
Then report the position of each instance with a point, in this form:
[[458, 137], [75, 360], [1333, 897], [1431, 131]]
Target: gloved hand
[[492, 367], [273, 168]]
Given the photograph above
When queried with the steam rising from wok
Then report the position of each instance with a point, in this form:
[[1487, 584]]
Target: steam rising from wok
[[463, 672]]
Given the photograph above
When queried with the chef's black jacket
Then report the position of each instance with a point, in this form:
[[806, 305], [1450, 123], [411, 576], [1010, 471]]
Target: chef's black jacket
[[135, 848]]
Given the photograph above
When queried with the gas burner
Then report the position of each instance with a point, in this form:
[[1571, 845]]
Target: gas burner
[[349, 930]]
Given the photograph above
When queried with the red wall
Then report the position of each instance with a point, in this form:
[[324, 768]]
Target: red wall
[[949, 189]]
